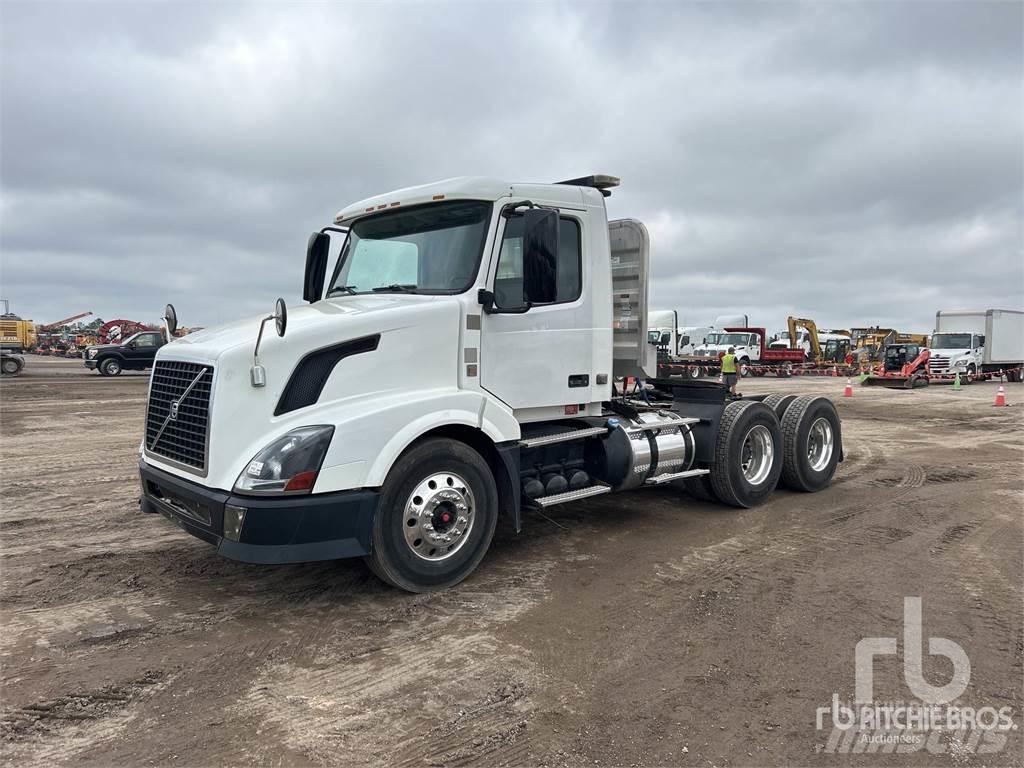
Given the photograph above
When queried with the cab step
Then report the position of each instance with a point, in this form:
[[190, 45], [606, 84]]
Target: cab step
[[581, 493], [669, 477], [562, 437]]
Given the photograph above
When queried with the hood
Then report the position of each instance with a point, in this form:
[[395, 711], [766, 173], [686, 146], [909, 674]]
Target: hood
[[243, 417], [103, 346], [347, 316]]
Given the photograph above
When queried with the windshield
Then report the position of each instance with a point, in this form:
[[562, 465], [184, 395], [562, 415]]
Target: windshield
[[433, 248], [727, 339], [734, 339], [951, 341]]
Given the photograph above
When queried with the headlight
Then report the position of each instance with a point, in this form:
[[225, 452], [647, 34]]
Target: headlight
[[289, 464], [93, 352]]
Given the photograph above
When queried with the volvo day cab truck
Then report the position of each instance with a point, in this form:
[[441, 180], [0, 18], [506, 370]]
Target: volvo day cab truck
[[977, 344], [454, 365]]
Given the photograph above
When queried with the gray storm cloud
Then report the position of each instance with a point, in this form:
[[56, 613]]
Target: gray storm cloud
[[857, 163]]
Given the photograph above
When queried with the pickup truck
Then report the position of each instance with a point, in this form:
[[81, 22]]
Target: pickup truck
[[136, 353]]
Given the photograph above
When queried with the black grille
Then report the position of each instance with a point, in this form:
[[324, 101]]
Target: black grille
[[182, 439]]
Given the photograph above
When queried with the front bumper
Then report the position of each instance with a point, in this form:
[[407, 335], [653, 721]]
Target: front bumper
[[277, 529], [90, 364]]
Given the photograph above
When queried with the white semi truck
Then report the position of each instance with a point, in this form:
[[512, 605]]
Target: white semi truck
[[453, 366], [665, 333], [977, 343]]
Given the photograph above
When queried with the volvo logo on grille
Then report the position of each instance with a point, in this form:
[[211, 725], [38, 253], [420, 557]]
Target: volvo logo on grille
[[174, 410]]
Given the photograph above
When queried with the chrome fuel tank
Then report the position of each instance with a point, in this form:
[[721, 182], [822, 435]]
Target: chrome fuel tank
[[635, 450]]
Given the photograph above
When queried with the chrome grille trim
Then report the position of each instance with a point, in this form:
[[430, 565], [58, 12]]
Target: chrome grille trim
[[182, 438]]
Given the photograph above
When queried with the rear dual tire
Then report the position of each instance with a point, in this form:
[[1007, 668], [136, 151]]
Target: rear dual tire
[[748, 454], [812, 440]]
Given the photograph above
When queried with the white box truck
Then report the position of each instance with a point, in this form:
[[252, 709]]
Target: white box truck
[[454, 365], [977, 344]]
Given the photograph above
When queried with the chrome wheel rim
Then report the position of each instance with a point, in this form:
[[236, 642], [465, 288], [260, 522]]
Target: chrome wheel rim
[[438, 516], [757, 454], [113, 368], [820, 444]]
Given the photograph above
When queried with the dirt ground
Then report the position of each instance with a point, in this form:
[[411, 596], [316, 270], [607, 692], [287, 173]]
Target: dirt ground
[[643, 629]]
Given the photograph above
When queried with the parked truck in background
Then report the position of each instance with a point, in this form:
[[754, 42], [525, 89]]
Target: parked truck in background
[[664, 332], [16, 334], [453, 365], [746, 346], [977, 344]]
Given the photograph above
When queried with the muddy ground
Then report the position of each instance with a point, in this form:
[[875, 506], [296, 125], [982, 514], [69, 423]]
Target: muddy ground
[[643, 629]]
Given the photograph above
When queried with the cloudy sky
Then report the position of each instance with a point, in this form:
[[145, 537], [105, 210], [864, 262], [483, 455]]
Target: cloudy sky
[[855, 163]]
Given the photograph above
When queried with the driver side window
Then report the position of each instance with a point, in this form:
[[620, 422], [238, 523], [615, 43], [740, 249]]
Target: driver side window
[[147, 340]]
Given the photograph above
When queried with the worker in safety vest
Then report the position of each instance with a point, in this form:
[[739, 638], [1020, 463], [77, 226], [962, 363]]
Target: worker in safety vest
[[729, 371]]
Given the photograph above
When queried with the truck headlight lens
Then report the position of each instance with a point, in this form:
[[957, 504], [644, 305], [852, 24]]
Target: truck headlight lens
[[93, 352], [289, 464]]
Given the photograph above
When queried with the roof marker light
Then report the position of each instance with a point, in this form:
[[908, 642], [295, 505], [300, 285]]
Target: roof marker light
[[437, 197]]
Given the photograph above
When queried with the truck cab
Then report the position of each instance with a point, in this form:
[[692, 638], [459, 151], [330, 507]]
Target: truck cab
[[957, 353], [136, 353], [454, 363], [747, 347], [803, 341]]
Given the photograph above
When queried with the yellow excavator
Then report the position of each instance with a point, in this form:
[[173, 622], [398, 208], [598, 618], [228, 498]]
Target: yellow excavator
[[869, 343], [836, 348]]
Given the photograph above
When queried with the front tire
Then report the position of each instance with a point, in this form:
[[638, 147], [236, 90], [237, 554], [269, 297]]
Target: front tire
[[10, 367], [110, 367], [748, 454], [436, 517], [812, 443]]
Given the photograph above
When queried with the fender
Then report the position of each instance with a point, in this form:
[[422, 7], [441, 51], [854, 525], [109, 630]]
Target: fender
[[370, 435]]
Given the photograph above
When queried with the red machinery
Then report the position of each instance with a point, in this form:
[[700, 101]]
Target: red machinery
[[116, 331], [49, 327], [905, 366]]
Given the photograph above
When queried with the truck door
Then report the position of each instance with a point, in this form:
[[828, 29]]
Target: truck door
[[142, 350], [544, 356]]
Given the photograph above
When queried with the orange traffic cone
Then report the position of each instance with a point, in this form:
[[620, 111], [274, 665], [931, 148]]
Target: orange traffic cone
[[1000, 397], [848, 389]]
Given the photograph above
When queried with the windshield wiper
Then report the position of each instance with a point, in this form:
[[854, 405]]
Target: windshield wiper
[[347, 288], [395, 288]]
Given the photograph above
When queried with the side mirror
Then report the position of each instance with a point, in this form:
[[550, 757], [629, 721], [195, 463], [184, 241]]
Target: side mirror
[[316, 266], [280, 317], [540, 255], [171, 318]]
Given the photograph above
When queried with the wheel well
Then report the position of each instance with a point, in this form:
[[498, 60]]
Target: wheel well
[[482, 444]]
